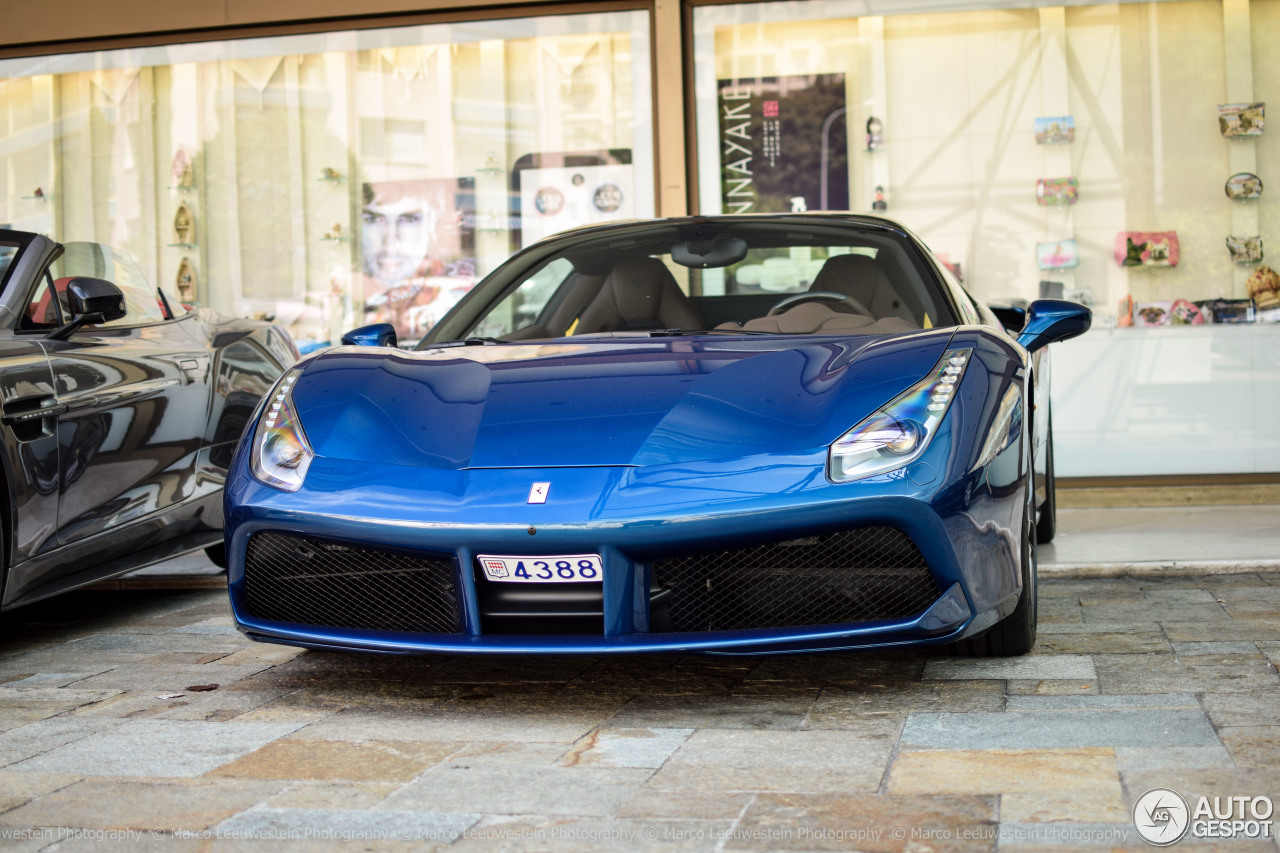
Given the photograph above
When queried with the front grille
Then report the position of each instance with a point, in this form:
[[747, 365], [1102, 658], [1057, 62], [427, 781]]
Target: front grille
[[289, 578], [850, 576]]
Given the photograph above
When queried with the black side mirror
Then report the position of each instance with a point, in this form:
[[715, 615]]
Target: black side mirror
[[376, 335], [1012, 317], [1052, 320], [90, 300], [95, 296]]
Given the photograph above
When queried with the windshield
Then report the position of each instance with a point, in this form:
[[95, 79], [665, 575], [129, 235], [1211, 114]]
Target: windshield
[[794, 276], [8, 251]]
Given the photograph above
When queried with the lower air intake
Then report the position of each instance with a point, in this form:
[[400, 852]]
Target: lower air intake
[[309, 581], [857, 575]]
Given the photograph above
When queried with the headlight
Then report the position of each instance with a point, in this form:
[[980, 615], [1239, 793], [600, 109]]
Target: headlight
[[281, 454], [898, 433]]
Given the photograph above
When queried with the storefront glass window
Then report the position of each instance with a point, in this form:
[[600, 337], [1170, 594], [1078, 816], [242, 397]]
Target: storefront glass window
[[1062, 150], [334, 179], [1115, 154]]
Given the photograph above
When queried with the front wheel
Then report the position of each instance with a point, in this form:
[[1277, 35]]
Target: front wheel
[[1015, 634], [1047, 526]]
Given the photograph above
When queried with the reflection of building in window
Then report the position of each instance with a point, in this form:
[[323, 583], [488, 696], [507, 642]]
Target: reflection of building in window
[[246, 161]]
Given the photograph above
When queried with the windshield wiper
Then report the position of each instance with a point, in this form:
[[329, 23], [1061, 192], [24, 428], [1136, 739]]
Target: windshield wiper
[[676, 333]]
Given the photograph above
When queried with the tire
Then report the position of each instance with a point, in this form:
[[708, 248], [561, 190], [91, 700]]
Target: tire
[[1047, 526], [217, 554], [1015, 634]]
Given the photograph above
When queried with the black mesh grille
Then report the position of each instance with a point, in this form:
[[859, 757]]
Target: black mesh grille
[[850, 576], [300, 579]]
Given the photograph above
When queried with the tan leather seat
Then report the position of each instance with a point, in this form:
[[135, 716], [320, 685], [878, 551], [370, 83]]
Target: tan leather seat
[[638, 294], [862, 278], [813, 318]]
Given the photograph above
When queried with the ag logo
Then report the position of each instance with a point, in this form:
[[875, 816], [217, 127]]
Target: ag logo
[[1161, 817]]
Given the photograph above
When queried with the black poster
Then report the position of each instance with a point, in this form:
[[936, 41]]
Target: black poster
[[783, 144]]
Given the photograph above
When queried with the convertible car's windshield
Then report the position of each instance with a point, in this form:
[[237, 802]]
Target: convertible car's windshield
[[766, 276]]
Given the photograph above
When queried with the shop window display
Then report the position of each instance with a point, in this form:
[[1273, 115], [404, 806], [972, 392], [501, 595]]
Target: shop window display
[[980, 116], [1112, 153], [334, 179]]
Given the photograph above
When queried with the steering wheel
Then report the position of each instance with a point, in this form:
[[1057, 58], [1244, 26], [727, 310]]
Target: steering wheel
[[817, 296]]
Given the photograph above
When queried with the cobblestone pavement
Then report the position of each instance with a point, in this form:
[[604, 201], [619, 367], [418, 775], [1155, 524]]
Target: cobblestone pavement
[[143, 718]]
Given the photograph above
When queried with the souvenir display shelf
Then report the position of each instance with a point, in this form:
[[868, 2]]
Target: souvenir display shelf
[[1167, 400]]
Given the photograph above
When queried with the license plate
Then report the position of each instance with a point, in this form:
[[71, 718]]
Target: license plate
[[569, 568]]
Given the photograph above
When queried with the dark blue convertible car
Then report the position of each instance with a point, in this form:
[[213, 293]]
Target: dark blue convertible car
[[729, 434]]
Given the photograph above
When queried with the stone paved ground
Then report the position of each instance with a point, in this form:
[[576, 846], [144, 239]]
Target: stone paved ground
[[1134, 684]]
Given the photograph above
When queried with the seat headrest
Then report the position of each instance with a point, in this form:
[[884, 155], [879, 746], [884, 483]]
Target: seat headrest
[[637, 285], [852, 275]]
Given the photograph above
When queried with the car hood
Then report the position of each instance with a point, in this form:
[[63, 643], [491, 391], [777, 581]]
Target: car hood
[[604, 402]]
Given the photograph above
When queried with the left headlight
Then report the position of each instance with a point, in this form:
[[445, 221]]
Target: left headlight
[[280, 453], [899, 432]]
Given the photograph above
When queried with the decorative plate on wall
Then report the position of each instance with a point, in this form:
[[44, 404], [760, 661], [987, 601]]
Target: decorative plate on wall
[[1243, 186]]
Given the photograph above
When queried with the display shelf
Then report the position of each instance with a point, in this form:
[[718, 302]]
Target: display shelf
[[1160, 400]]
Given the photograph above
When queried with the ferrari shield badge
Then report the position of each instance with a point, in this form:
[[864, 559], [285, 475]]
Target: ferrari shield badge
[[538, 493]]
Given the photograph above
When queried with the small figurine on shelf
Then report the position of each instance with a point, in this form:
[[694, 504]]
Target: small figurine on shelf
[[329, 174], [183, 173], [1125, 316], [184, 225], [1264, 287], [875, 134], [335, 232], [38, 194], [186, 282], [879, 203]]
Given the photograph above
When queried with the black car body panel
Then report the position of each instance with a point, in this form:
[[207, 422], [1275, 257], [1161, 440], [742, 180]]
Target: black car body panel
[[117, 436]]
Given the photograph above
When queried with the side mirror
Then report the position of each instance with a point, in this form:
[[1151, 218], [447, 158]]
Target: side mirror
[[376, 335], [95, 296], [1012, 317], [90, 300], [1053, 320]]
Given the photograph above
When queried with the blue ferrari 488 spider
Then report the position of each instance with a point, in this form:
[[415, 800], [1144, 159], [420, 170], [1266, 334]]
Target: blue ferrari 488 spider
[[735, 434]]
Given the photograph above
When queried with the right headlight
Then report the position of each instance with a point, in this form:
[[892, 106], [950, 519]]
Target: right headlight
[[899, 432], [280, 453]]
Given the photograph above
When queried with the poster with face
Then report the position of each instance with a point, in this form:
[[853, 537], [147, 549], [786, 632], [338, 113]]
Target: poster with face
[[784, 144], [417, 251], [555, 199]]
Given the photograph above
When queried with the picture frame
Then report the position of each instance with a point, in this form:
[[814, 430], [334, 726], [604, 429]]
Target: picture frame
[[1058, 255], [1185, 313], [1242, 121], [1055, 130], [1147, 249], [1245, 250], [1057, 192], [1152, 314]]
